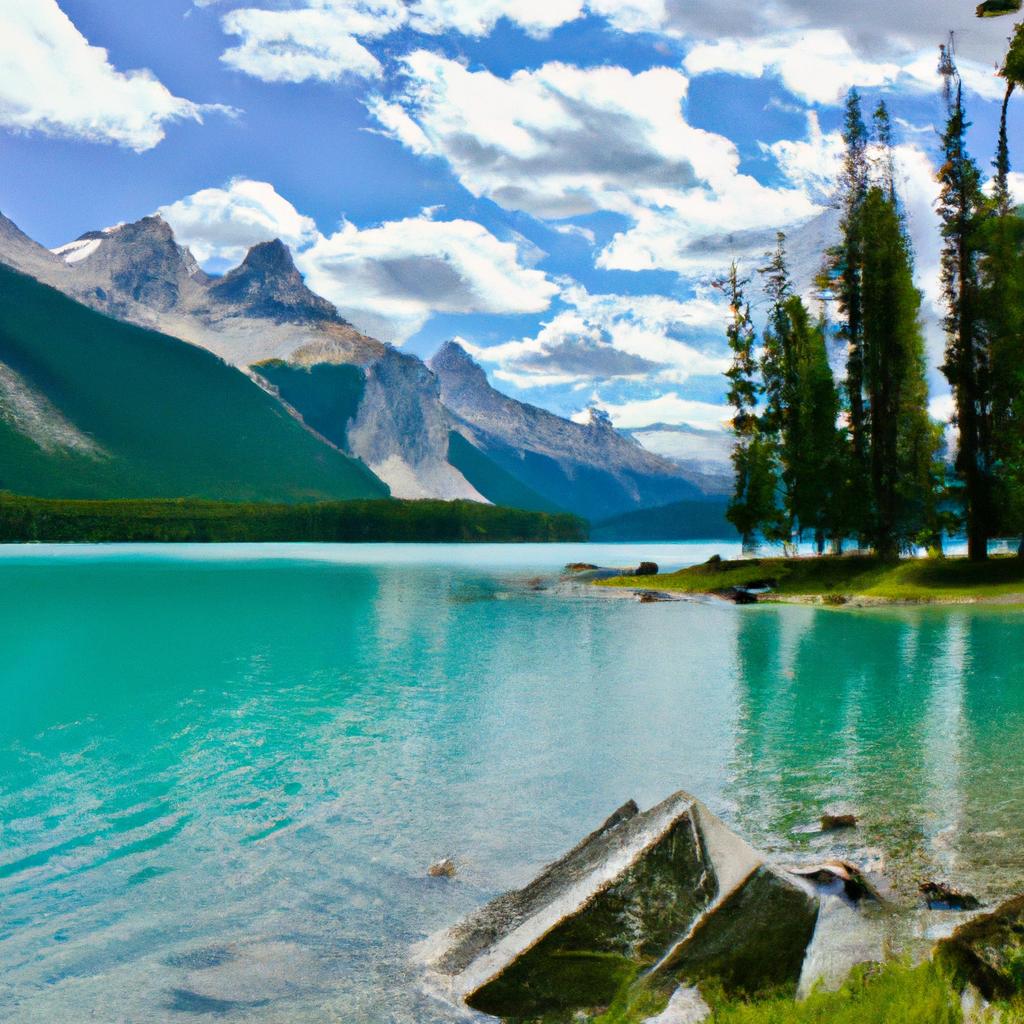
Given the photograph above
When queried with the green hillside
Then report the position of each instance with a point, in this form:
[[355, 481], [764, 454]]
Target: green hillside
[[682, 520], [166, 419], [490, 480], [327, 395]]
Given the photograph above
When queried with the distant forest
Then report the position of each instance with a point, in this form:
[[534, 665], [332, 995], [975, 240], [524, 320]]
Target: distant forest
[[861, 458], [25, 520]]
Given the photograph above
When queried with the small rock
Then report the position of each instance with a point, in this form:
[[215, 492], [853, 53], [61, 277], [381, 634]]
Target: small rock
[[941, 896], [647, 569], [854, 883], [834, 822], [579, 567], [737, 595], [536, 583], [444, 868], [685, 1007], [651, 597]]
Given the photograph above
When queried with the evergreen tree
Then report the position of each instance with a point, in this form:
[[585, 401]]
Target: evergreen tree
[[843, 269], [903, 441], [962, 207], [753, 507], [811, 443], [1001, 272], [777, 376]]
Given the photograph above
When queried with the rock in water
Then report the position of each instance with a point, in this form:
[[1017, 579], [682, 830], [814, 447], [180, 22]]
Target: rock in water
[[671, 892], [444, 868], [834, 822]]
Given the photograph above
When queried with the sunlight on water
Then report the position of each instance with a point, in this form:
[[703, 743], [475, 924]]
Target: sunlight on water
[[224, 772]]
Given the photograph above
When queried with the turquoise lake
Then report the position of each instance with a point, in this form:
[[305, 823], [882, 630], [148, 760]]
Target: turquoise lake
[[224, 771]]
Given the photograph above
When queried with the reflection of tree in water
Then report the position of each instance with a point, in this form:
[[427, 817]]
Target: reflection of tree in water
[[909, 718]]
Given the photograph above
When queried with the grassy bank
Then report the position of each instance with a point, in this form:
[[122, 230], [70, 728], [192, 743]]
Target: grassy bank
[[892, 993], [845, 579], [187, 520]]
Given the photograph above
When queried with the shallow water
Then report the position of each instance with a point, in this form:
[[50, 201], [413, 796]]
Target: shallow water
[[224, 770]]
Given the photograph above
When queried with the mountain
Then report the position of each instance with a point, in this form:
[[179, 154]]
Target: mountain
[[93, 407], [590, 469], [704, 455], [259, 312], [441, 433]]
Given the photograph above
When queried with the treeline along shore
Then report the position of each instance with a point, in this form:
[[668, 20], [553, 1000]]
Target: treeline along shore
[[24, 519]]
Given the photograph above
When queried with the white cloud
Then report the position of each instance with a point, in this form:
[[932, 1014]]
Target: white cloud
[[562, 141], [223, 223], [317, 42], [812, 164], [53, 81], [877, 31], [649, 338], [478, 17], [667, 408], [821, 65], [389, 279]]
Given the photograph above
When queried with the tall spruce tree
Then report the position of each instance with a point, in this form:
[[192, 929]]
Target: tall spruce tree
[[1001, 271], [903, 441], [777, 377], [753, 507], [962, 208], [843, 269], [811, 445]]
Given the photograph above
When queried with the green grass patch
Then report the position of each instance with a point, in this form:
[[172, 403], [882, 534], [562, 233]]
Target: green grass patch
[[837, 579]]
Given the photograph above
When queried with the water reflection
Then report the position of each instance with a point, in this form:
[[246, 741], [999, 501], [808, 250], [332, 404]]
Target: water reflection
[[913, 718]]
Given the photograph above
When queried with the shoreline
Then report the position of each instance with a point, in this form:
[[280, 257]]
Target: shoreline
[[829, 581]]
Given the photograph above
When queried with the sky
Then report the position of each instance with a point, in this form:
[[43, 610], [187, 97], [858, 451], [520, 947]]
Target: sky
[[555, 183]]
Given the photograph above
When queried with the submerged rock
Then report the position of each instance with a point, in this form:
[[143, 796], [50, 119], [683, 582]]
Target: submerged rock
[[942, 896], [834, 822], [988, 951], [652, 597], [671, 893], [444, 868]]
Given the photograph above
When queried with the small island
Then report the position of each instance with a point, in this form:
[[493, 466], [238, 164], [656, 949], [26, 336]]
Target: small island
[[842, 581]]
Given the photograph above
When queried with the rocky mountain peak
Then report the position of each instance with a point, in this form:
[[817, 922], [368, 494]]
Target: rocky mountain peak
[[455, 366], [267, 284]]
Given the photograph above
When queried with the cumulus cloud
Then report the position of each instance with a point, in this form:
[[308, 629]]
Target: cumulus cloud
[[822, 65], [562, 141], [326, 40], [53, 81], [879, 31], [389, 279], [223, 223], [599, 338], [321, 41], [478, 17], [667, 408]]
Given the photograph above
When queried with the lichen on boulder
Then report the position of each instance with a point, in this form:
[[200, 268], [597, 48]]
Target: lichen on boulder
[[670, 895]]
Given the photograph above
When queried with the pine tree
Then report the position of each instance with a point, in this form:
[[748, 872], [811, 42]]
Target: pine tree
[[962, 208], [777, 376], [1001, 272], [811, 441], [753, 507], [843, 270], [903, 442]]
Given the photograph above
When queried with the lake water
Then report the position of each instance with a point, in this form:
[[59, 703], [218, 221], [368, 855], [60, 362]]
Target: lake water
[[225, 770]]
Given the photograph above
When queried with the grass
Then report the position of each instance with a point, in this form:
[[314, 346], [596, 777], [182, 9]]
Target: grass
[[893, 993], [837, 580]]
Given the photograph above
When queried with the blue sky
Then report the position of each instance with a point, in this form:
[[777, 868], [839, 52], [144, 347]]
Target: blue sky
[[553, 181]]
